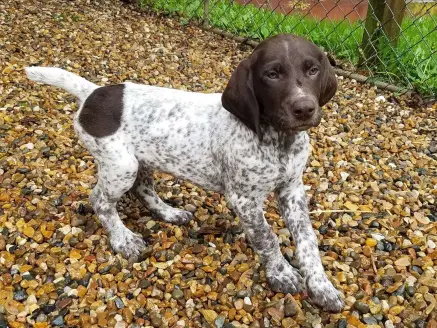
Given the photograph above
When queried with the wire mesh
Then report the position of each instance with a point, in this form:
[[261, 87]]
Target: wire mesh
[[393, 41]]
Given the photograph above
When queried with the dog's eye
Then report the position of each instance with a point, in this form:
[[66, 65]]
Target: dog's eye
[[313, 70], [273, 75]]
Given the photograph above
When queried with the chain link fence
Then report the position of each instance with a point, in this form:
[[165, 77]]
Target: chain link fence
[[391, 43]]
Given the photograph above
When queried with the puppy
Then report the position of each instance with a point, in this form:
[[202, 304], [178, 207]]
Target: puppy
[[246, 143]]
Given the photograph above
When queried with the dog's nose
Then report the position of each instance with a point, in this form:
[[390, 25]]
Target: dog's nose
[[303, 109]]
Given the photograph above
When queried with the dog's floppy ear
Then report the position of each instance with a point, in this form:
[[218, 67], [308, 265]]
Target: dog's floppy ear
[[329, 82], [239, 97]]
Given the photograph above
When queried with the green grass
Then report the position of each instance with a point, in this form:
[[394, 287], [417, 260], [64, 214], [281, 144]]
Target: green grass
[[413, 63]]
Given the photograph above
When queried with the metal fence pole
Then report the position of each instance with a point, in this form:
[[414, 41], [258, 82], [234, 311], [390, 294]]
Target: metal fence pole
[[393, 16], [206, 13], [372, 32]]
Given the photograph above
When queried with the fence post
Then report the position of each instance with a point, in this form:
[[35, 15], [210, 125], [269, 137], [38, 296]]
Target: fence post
[[392, 21], [206, 13], [372, 32]]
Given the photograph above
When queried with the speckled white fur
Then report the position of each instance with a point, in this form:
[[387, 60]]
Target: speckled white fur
[[191, 135]]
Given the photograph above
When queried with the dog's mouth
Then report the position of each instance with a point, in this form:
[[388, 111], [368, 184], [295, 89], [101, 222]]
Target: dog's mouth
[[303, 126], [285, 121]]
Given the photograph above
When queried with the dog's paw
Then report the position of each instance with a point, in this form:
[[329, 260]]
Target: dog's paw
[[175, 216], [323, 293], [283, 278], [129, 245]]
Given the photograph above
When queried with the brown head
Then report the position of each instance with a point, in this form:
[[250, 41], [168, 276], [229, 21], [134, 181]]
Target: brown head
[[283, 83]]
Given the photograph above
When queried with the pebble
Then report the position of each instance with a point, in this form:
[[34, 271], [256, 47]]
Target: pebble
[[3, 323], [362, 307], [359, 294], [65, 302], [370, 320], [371, 242], [403, 261], [242, 293], [156, 321], [219, 321], [197, 248], [388, 247], [2, 243], [177, 294], [20, 295], [375, 224], [377, 236], [323, 230], [144, 284], [290, 309], [417, 269], [343, 228], [420, 323], [387, 281], [222, 270], [119, 303], [276, 315], [236, 229], [342, 323], [247, 306], [239, 304], [389, 324], [73, 241], [209, 315], [78, 220], [380, 246], [191, 208], [289, 323], [58, 321], [49, 308], [401, 290]]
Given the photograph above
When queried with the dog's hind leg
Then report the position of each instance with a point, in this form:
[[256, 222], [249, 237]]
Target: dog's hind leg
[[144, 190], [117, 173]]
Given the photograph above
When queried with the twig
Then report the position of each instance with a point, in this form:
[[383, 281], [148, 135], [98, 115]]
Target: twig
[[373, 264], [339, 211], [428, 130]]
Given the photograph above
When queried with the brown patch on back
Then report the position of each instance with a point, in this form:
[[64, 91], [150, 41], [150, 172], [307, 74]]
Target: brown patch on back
[[102, 110]]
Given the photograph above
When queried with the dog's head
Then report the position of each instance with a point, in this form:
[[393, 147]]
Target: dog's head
[[283, 83]]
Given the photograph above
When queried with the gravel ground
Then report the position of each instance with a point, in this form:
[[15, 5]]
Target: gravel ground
[[371, 181]]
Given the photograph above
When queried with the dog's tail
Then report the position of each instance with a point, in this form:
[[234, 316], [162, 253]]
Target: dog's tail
[[58, 77]]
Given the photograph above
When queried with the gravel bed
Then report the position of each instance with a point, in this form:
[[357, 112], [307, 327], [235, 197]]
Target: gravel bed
[[371, 183]]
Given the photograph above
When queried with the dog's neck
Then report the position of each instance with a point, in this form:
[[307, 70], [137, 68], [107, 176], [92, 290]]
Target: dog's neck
[[282, 141]]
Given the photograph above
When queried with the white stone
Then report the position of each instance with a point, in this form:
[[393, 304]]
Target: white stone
[[380, 99], [323, 186], [31, 300], [65, 229], [344, 175], [377, 236], [389, 324], [29, 145]]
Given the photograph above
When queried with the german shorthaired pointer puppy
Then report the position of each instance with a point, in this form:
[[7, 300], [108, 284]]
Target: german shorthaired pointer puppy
[[246, 143]]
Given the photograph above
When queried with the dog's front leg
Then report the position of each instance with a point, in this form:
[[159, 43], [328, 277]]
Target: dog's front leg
[[282, 277], [293, 207]]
